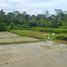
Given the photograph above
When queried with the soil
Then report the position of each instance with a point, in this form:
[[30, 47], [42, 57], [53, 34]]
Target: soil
[[38, 54]]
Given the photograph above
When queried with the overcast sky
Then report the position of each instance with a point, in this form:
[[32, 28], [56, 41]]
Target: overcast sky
[[33, 6]]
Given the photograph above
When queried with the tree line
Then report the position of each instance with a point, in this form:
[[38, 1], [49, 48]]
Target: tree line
[[17, 20]]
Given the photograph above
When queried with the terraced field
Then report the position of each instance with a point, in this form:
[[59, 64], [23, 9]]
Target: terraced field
[[35, 54], [7, 37]]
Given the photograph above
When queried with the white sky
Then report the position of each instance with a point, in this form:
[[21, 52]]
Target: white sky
[[33, 6]]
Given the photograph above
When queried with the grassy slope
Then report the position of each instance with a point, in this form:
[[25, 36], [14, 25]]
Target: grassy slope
[[29, 33], [40, 35], [60, 33]]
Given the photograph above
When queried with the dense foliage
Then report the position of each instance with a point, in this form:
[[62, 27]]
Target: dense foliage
[[17, 20]]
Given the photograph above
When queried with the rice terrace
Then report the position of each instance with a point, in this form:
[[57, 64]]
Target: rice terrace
[[14, 52], [33, 33]]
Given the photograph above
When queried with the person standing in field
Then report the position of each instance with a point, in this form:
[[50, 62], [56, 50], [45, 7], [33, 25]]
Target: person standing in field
[[50, 36]]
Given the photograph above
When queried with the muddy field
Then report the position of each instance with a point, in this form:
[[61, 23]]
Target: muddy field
[[37, 54], [7, 37], [33, 55]]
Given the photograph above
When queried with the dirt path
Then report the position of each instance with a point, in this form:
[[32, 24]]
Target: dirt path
[[33, 55]]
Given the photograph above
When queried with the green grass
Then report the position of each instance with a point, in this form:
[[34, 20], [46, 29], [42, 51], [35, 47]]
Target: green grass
[[40, 35], [29, 33], [50, 30], [61, 36]]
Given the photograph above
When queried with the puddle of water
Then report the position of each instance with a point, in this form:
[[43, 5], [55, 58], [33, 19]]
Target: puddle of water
[[51, 44]]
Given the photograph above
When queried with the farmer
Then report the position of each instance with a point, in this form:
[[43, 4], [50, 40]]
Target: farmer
[[50, 36]]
